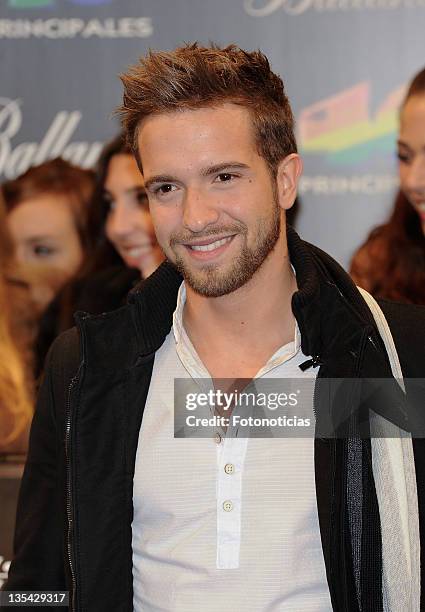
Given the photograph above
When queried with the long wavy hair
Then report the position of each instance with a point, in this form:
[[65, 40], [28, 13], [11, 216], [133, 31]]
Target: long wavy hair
[[400, 262], [104, 254], [16, 406], [397, 248]]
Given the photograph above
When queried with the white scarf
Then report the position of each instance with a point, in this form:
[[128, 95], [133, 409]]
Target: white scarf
[[395, 481]]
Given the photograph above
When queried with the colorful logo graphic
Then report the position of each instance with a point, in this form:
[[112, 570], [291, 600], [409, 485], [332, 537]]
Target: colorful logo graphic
[[341, 127], [24, 4]]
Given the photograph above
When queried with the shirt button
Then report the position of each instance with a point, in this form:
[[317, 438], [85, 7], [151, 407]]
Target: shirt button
[[217, 438], [227, 506], [229, 468]]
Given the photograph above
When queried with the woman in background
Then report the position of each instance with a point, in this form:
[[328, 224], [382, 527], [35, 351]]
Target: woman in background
[[47, 217], [391, 263], [121, 208], [126, 250]]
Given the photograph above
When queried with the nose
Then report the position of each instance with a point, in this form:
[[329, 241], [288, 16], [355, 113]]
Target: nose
[[120, 222], [199, 210], [415, 175]]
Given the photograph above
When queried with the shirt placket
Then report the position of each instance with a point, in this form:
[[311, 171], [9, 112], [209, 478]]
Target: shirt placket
[[230, 461]]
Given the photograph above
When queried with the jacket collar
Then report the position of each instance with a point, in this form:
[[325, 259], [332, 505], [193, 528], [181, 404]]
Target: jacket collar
[[326, 294], [322, 284], [155, 300]]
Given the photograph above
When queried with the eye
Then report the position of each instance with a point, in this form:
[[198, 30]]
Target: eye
[[107, 201], [164, 189], [403, 157], [41, 250], [225, 177]]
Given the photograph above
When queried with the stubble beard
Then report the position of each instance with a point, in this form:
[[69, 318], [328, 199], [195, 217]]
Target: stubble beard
[[216, 280]]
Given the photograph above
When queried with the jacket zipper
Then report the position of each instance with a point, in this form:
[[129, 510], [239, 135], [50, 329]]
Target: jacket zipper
[[313, 362], [69, 509], [68, 439], [366, 338]]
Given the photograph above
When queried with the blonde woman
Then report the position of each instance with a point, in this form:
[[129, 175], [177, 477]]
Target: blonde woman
[[16, 406]]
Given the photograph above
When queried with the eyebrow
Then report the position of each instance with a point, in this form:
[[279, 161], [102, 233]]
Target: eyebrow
[[225, 166], [41, 238], [134, 189], [208, 171]]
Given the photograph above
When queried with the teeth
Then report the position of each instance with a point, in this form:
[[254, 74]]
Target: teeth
[[212, 246], [136, 252]]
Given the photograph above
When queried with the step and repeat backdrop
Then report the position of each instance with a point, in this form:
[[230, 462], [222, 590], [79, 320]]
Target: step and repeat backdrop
[[345, 64]]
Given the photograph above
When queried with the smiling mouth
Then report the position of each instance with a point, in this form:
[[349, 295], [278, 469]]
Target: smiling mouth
[[419, 205], [135, 252], [211, 246]]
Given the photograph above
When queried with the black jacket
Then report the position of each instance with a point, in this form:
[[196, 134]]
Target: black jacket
[[102, 291], [75, 508]]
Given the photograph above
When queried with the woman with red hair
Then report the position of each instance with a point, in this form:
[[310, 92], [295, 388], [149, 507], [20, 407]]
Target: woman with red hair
[[391, 263], [48, 219]]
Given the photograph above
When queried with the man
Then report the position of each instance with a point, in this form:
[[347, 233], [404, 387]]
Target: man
[[124, 515]]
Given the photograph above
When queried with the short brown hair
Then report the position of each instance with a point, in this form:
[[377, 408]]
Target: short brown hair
[[193, 77]]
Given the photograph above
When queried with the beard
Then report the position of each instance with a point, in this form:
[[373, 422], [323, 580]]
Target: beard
[[216, 280]]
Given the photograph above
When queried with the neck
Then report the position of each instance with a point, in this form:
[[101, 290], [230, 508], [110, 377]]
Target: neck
[[259, 314]]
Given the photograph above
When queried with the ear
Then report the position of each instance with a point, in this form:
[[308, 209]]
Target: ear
[[288, 173]]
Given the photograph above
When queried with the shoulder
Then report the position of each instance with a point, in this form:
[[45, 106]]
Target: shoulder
[[407, 324], [106, 290], [63, 358]]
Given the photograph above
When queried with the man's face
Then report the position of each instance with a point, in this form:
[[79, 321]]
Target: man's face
[[215, 208]]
